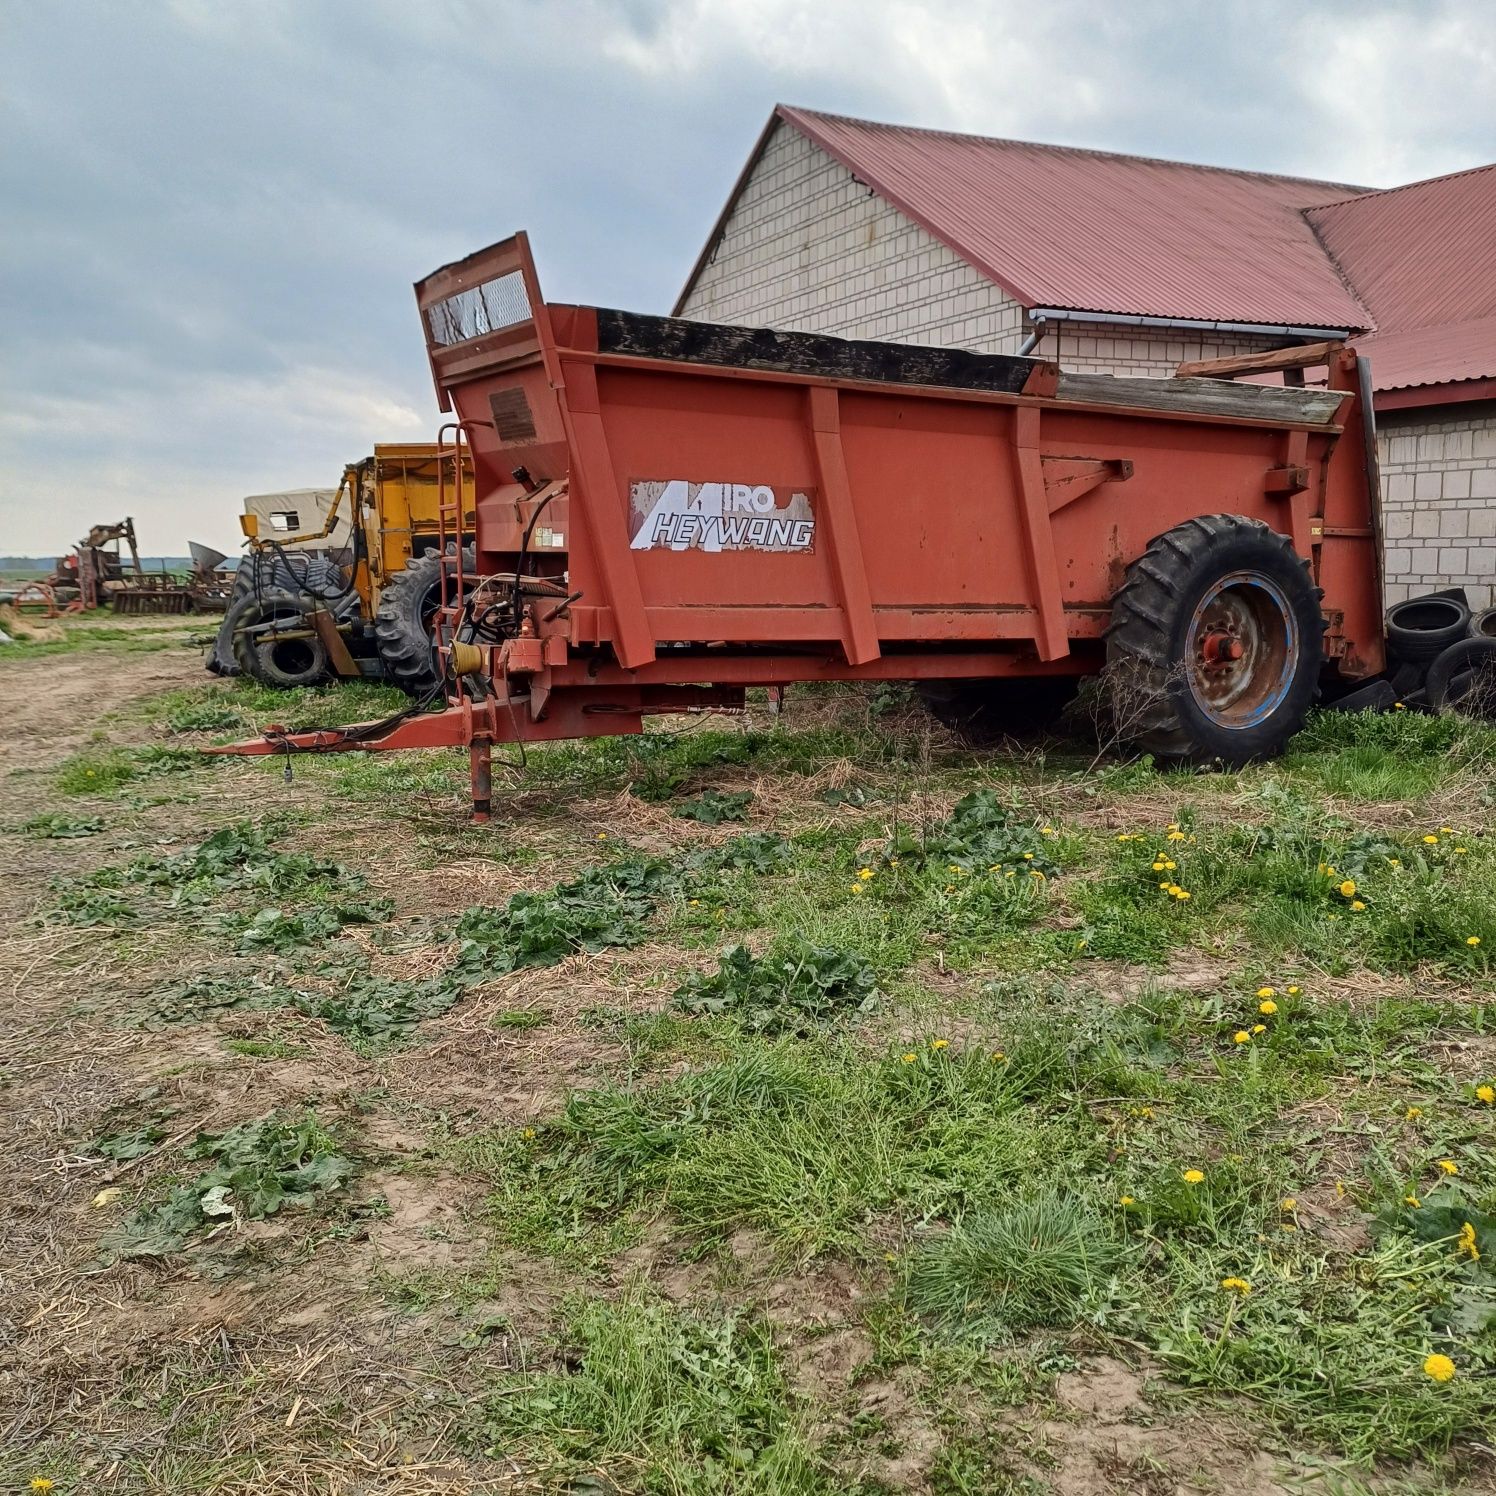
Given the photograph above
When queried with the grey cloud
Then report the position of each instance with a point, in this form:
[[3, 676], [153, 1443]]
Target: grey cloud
[[214, 209]]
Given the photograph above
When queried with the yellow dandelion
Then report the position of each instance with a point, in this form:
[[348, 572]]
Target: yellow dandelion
[[1048, 831], [864, 873], [955, 867], [602, 836], [1412, 1200], [1176, 836], [1123, 836], [1172, 826], [1268, 1006], [857, 888], [40, 1482], [1193, 1176], [1440, 1368], [1394, 862], [693, 902], [1293, 991], [1144, 1111], [528, 1133], [1158, 867], [1028, 856], [1413, 1113], [1182, 896], [1465, 1245], [1447, 830], [1461, 851], [1126, 1200], [1241, 1036], [1486, 1095], [1171, 865], [1357, 905], [1289, 1204], [1266, 992], [1472, 940], [1166, 885], [909, 1059], [940, 1044], [1448, 1166], [1348, 888], [1236, 1285], [1259, 1028], [998, 1057], [1430, 840], [1035, 873], [1399, 706]]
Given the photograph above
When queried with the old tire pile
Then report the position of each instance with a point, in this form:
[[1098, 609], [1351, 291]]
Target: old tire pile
[[1442, 656], [263, 575], [402, 626]]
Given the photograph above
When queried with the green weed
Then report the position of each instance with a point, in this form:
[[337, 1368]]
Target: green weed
[[106, 770], [667, 1399], [55, 826], [256, 1170], [792, 988], [713, 807]]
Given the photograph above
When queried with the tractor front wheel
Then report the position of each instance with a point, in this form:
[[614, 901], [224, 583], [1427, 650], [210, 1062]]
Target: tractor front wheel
[[1216, 643], [255, 625]]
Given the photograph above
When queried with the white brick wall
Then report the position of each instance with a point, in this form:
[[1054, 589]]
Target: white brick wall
[[1148, 352], [1439, 500], [809, 248]]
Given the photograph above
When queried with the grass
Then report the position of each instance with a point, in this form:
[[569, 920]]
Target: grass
[[790, 1155]]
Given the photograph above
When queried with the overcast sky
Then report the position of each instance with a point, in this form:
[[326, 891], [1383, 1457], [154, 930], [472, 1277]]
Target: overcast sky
[[211, 211]]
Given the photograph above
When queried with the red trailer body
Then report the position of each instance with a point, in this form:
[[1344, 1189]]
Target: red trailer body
[[709, 508]]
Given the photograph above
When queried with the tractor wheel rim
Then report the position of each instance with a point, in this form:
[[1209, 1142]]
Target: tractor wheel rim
[[1240, 649]]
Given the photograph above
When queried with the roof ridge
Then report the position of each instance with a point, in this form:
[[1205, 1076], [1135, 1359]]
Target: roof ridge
[[1370, 193], [791, 111]]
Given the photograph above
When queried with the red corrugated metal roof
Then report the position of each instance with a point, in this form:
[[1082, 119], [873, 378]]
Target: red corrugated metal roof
[[1095, 232], [1423, 255], [1089, 231], [1410, 357]]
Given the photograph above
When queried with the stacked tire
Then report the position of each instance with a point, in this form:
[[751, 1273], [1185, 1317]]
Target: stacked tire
[[270, 594], [1444, 654]]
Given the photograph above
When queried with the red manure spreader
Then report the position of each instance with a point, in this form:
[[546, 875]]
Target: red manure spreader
[[671, 512]]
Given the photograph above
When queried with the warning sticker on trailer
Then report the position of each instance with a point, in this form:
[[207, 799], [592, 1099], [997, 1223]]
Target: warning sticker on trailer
[[674, 514]]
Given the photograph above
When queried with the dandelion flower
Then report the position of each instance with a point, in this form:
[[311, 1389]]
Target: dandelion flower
[[1413, 1113], [1241, 1036], [1172, 826], [1236, 1285], [1259, 1028], [1176, 836], [1357, 905], [998, 1057], [1447, 830], [1123, 836], [1440, 1368], [909, 1059], [864, 873], [528, 1133], [1461, 851], [1158, 867], [1293, 991], [1193, 1176], [857, 888], [1398, 706], [1035, 873], [1171, 865], [1348, 888], [40, 1483], [1486, 1095], [1289, 1204], [1472, 940], [1412, 1200], [1125, 1200], [1181, 895], [1047, 831], [602, 836], [1268, 1006], [1465, 1246], [693, 902], [1266, 992], [1448, 1166], [1166, 885], [1430, 840], [1028, 856], [940, 1044], [1394, 862]]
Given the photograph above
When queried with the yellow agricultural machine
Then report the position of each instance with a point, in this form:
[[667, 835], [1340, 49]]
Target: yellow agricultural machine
[[308, 609]]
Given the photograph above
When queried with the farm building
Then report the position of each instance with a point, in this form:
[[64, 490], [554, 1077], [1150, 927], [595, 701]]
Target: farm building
[[1125, 265]]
